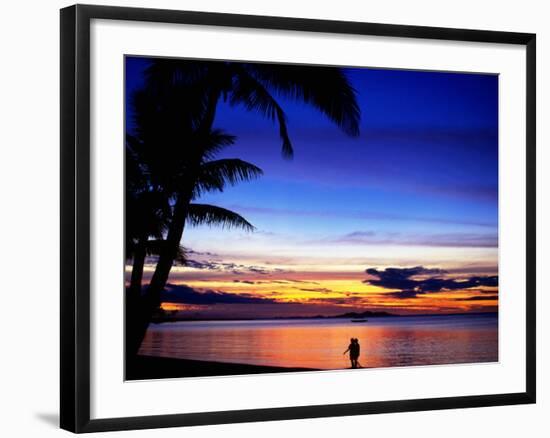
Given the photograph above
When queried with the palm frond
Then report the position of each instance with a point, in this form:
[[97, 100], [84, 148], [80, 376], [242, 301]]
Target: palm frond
[[211, 215], [213, 142], [156, 246], [326, 88], [147, 213], [215, 175], [254, 96], [174, 72], [136, 174]]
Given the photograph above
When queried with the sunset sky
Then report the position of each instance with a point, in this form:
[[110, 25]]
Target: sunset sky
[[416, 192]]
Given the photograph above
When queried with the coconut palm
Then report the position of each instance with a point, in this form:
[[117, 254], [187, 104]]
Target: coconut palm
[[202, 84], [180, 103], [146, 212], [156, 175], [157, 167], [256, 87], [214, 175]]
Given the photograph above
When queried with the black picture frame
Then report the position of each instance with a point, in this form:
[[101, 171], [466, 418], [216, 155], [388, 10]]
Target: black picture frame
[[75, 217]]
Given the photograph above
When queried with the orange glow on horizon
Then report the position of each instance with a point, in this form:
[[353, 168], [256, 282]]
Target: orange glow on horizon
[[324, 293]]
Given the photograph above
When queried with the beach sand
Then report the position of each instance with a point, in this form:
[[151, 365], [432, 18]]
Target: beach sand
[[150, 367]]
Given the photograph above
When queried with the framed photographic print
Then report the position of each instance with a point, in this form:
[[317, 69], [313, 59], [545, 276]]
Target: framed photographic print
[[271, 218]]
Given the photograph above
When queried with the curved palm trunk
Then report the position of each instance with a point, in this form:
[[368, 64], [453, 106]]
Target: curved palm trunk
[[151, 300], [132, 302], [142, 312], [137, 267]]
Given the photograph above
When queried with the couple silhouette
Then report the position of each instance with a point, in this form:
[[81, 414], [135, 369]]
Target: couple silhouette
[[354, 350]]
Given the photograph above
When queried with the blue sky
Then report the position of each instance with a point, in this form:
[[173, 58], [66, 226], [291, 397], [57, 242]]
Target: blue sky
[[418, 186]]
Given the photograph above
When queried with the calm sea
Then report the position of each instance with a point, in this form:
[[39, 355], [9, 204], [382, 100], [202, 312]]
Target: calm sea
[[319, 343]]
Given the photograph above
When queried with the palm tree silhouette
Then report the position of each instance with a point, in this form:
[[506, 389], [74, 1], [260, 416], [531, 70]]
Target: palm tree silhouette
[[148, 208], [153, 184], [146, 215], [188, 93]]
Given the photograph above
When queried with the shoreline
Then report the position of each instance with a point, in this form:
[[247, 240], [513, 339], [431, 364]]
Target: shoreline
[[152, 367]]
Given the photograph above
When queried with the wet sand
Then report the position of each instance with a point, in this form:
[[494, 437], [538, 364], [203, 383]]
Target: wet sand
[[150, 367]]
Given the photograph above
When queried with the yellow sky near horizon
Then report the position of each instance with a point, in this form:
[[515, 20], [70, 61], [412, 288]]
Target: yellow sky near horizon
[[321, 292]]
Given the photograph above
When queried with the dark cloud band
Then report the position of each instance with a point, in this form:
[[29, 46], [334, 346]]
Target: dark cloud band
[[409, 285], [184, 294]]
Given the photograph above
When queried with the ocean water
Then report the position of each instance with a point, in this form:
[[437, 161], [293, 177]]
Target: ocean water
[[319, 343]]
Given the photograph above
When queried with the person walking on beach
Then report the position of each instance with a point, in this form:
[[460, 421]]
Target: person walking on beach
[[354, 351]]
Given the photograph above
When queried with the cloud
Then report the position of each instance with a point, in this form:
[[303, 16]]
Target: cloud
[[213, 266], [456, 240], [314, 289], [257, 270], [287, 282], [174, 293], [482, 291], [371, 215], [200, 253], [474, 269], [234, 268], [291, 280], [409, 285], [478, 298], [347, 301], [359, 235]]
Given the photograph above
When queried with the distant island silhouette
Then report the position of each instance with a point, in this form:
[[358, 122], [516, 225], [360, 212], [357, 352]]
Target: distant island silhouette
[[172, 316]]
